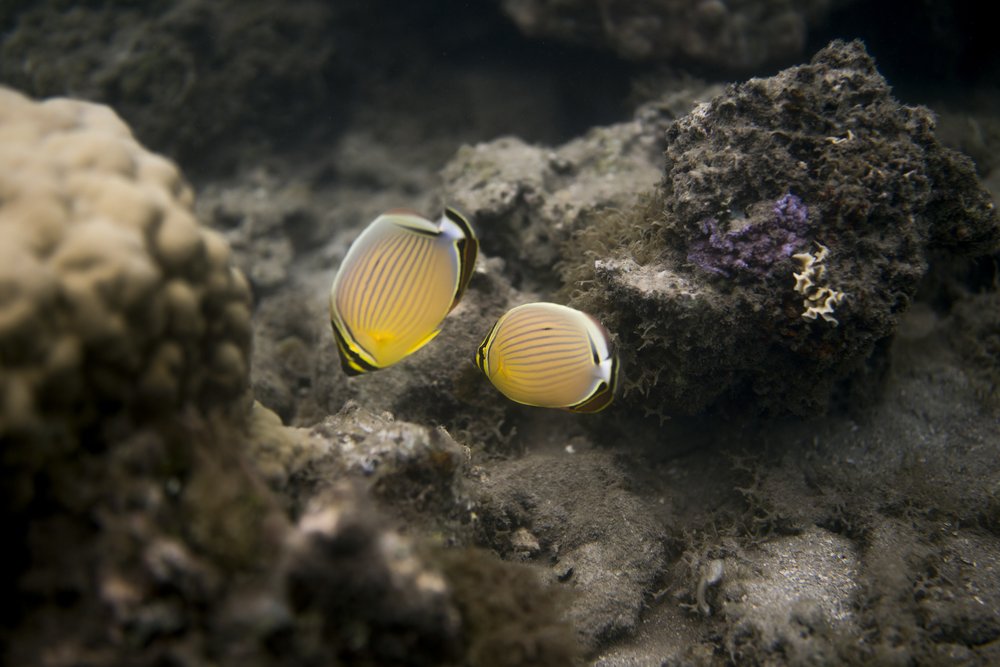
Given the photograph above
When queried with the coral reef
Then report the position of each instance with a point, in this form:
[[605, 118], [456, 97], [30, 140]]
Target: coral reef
[[115, 300], [876, 188], [153, 517], [696, 276], [565, 512], [142, 530], [734, 35], [124, 347]]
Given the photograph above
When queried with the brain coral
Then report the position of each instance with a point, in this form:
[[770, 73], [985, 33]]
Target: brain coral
[[113, 300]]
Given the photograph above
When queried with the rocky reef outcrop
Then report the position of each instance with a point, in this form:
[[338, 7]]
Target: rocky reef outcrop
[[792, 224]]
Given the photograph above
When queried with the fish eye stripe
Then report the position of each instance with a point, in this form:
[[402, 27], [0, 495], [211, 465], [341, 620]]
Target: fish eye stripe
[[484, 349], [409, 221], [593, 351], [468, 249], [420, 231], [452, 214]]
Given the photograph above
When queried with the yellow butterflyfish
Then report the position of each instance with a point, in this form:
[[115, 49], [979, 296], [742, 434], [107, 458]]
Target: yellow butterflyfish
[[551, 356], [398, 281]]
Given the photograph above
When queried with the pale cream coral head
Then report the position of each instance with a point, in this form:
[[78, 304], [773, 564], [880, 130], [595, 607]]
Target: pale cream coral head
[[110, 289]]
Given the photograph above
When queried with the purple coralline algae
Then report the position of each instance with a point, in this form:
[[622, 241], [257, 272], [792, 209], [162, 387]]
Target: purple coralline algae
[[754, 249]]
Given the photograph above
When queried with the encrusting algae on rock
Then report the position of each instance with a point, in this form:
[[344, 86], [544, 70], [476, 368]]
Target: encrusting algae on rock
[[697, 281]]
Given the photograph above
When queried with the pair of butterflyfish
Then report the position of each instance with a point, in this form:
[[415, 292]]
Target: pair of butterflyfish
[[404, 274]]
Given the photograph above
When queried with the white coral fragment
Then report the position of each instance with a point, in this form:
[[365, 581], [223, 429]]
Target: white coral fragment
[[820, 300]]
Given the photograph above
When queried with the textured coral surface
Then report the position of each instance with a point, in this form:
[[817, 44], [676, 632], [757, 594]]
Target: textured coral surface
[[114, 297]]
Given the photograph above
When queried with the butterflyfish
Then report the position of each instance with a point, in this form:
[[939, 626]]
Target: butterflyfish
[[398, 281], [551, 356]]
